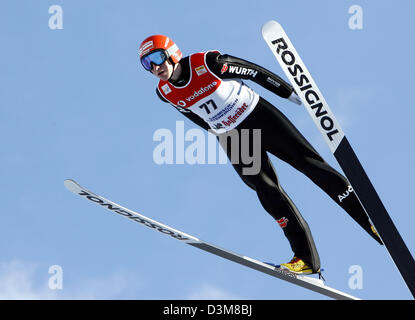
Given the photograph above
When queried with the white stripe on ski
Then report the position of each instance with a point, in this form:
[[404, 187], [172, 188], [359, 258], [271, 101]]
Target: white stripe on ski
[[304, 85], [310, 283]]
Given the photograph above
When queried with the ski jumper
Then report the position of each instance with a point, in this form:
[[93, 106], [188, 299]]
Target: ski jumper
[[212, 94]]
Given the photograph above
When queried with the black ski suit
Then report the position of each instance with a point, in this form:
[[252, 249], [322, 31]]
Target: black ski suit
[[282, 139]]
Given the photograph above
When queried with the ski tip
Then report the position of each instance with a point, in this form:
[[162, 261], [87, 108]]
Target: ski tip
[[69, 184], [270, 25]]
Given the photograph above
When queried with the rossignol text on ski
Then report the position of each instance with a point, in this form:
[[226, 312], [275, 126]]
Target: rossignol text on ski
[[313, 284], [316, 105]]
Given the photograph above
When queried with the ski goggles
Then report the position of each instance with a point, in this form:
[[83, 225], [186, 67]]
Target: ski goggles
[[156, 57]]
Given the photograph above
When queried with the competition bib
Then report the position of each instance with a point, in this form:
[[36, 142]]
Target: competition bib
[[223, 104]]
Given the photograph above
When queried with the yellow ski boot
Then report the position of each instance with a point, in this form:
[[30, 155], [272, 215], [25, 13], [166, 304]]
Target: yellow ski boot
[[298, 266]]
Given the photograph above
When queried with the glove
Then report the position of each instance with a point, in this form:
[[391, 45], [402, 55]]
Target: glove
[[294, 98]]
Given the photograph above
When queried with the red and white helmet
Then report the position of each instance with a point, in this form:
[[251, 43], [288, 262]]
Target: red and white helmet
[[160, 42]]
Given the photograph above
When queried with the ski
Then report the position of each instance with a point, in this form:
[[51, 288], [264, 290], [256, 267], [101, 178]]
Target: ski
[[317, 107], [313, 284]]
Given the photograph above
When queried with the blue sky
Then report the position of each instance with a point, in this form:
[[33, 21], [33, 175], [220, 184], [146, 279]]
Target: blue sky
[[75, 103]]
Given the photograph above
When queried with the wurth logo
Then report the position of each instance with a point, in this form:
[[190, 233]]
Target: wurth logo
[[243, 71], [282, 222], [224, 68]]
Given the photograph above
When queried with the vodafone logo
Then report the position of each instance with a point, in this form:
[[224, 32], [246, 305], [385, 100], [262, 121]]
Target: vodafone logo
[[201, 91]]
